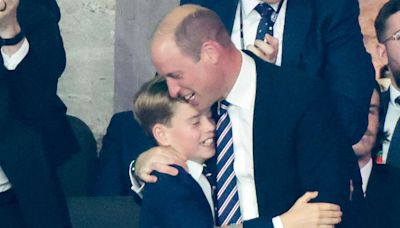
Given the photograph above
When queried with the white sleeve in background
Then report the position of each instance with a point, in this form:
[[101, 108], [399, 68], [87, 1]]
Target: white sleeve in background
[[277, 222], [11, 62], [137, 185]]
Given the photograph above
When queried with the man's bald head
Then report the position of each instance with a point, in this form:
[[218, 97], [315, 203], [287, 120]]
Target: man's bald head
[[189, 26]]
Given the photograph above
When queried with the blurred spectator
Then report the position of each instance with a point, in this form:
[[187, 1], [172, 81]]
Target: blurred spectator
[[123, 142], [380, 182], [387, 27], [36, 136]]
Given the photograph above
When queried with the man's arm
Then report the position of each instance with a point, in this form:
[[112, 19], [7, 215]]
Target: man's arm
[[323, 155], [33, 83], [349, 73]]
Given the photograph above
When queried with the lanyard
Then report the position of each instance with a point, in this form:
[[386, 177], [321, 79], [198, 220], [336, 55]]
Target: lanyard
[[274, 16]]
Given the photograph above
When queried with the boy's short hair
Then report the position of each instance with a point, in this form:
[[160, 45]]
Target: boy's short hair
[[152, 104]]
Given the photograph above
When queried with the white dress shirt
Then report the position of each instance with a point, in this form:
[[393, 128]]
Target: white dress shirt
[[242, 98], [365, 173], [251, 18], [196, 171], [392, 115], [11, 63]]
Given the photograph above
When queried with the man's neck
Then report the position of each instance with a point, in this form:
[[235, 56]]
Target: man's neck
[[232, 69]]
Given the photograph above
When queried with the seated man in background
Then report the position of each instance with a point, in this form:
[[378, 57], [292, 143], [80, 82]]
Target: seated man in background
[[381, 185], [123, 142], [35, 135], [387, 26]]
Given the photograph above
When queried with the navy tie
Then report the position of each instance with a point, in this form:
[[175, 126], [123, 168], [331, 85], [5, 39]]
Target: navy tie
[[266, 24], [227, 191]]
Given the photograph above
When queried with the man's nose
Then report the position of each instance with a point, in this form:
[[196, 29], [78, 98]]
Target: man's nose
[[173, 88]]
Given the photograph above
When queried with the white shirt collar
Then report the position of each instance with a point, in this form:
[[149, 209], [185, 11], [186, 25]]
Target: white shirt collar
[[195, 169], [394, 93], [365, 173], [246, 81], [249, 5]]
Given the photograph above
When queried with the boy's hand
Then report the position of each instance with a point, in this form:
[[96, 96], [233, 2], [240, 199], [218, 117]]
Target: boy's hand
[[305, 214], [158, 159]]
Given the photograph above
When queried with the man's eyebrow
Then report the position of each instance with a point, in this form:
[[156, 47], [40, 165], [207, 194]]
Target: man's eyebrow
[[175, 75]]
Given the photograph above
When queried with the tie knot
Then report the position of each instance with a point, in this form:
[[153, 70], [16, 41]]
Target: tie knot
[[264, 10], [397, 100], [206, 171], [223, 107]]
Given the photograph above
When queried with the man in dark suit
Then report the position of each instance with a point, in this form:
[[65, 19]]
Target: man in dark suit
[[284, 145], [35, 136], [123, 142], [322, 38], [387, 26], [380, 181]]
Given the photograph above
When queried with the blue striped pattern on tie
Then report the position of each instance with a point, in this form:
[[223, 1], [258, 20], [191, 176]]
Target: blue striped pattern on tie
[[227, 192]]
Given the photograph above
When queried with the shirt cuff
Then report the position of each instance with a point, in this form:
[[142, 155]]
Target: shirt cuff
[[277, 222], [11, 62], [137, 184]]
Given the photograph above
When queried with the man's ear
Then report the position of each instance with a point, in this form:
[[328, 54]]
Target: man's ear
[[381, 50], [210, 51], [160, 133]]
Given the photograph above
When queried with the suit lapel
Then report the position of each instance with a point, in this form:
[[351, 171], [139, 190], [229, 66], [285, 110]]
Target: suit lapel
[[385, 98], [297, 23]]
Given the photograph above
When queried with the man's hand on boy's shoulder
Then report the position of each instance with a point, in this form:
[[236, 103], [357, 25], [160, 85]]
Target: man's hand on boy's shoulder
[[158, 159]]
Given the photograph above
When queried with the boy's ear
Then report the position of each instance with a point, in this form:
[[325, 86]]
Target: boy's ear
[[160, 134], [381, 50]]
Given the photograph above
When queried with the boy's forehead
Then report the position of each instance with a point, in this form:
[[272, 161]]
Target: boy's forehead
[[189, 110]]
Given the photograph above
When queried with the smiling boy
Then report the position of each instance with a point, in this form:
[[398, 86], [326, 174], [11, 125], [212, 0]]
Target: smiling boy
[[186, 199]]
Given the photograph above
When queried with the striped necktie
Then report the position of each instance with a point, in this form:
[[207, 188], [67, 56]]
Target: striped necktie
[[227, 192]]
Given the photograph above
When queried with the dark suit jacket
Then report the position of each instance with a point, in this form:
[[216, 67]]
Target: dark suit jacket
[[296, 145], [323, 39], [33, 85], [384, 104], [175, 201], [123, 142], [35, 135], [382, 196]]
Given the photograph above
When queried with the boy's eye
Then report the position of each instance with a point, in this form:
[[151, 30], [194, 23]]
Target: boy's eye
[[196, 122]]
